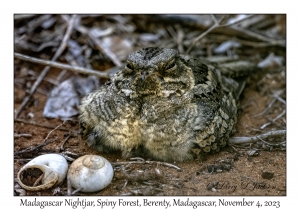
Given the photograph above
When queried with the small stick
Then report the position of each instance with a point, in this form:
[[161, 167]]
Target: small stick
[[281, 99], [271, 144], [259, 37], [27, 135], [20, 17], [254, 44], [42, 125], [38, 180], [68, 158], [280, 115], [267, 109], [69, 187], [125, 184], [149, 162], [165, 164], [138, 158], [237, 21], [47, 68], [273, 121], [64, 141], [76, 191], [99, 44], [60, 76], [253, 139], [70, 135], [270, 104], [55, 64], [54, 130], [197, 39], [22, 159], [30, 149]]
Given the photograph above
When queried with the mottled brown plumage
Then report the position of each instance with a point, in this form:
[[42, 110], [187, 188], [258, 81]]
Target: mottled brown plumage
[[161, 106]]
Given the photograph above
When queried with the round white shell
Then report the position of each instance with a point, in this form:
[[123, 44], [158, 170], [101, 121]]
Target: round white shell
[[91, 173], [54, 167]]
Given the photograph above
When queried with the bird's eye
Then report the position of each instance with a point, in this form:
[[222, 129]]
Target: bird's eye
[[170, 66], [108, 82], [128, 69], [129, 66]]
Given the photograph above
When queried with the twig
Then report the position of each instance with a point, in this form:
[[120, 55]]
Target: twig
[[30, 149], [254, 44], [38, 180], [281, 43], [237, 21], [22, 159], [178, 38], [25, 16], [215, 25], [276, 118], [60, 76], [43, 125], [125, 184], [76, 191], [68, 158], [280, 99], [279, 116], [276, 95], [267, 109], [47, 68], [148, 162], [138, 159], [22, 135], [213, 17], [165, 164], [66, 153], [54, 64], [54, 130], [271, 144], [69, 187], [64, 141], [70, 135], [99, 44], [253, 139]]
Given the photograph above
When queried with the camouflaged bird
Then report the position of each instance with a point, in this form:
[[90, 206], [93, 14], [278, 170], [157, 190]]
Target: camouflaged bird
[[163, 106]]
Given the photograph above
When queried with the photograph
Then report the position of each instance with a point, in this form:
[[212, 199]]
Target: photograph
[[158, 104]]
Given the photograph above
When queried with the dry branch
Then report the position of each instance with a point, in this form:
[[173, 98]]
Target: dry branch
[[30, 149], [142, 161], [273, 121], [53, 130], [16, 135], [39, 124], [253, 139], [54, 64], [70, 135], [197, 39], [99, 44]]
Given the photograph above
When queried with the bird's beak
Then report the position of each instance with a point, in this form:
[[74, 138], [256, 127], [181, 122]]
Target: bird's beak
[[144, 76]]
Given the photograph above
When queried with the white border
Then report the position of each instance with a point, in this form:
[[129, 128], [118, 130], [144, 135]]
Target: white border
[[8, 201]]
